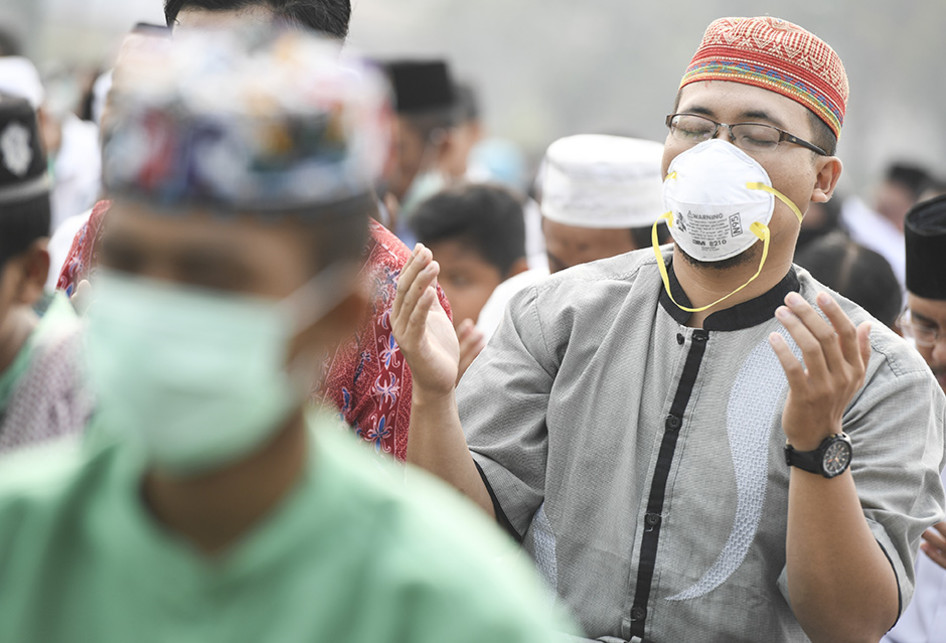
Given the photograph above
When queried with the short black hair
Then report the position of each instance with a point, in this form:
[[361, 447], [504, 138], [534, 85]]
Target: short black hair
[[10, 43], [328, 16], [486, 217], [860, 274], [913, 178], [21, 224]]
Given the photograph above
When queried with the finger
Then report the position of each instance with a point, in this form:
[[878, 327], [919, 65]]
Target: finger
[[810, 346], [863, 342], [465, 328], [941, 528], [820, 329], [846, 332], [935, 539], [424, 281], [407, 282], [794, 371], [934, 554], [417, 322]]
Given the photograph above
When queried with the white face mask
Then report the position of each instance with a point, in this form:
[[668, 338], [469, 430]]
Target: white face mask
[[197, 378], [719, 203]]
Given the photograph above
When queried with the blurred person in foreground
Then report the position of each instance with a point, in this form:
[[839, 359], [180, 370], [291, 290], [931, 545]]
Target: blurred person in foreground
[[477, 233], [644, 425], [855, 272], [924, 321], [600, 198], [210, 506], [40, 392], [366, 378]]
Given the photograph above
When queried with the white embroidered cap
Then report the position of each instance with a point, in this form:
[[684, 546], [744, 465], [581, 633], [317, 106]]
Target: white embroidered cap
[[597, 181], [19, 77]]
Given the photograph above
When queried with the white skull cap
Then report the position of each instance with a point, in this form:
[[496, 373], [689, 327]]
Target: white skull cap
[[597, 181], [19, 77]]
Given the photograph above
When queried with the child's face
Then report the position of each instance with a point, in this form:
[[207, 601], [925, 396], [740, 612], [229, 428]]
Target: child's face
[[466, 278]]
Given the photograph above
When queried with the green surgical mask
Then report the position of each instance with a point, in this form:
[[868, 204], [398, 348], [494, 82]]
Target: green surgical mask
[[198, 378]]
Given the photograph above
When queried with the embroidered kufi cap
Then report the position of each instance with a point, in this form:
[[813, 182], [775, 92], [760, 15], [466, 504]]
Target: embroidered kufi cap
[[255, 121], [19, 77], [597, 181], [925, 234], [777, 55], [23, 171]]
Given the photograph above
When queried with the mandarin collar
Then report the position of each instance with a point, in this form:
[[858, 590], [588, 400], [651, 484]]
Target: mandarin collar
[[739, 317]]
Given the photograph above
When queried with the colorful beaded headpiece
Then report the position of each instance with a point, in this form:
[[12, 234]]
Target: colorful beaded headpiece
[[776, 55]]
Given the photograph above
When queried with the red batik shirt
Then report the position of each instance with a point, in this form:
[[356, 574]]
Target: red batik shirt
[[368, 379]]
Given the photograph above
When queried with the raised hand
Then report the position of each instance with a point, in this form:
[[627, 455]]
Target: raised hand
[[835, 362], [422, 329]]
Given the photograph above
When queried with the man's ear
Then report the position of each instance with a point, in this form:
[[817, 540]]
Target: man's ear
[[33, 265], [826, 179]]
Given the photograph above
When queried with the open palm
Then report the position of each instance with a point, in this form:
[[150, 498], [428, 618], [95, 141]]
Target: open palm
[[421, 327]]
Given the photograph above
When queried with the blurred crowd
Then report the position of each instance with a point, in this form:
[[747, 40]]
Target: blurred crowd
[[641, 391]]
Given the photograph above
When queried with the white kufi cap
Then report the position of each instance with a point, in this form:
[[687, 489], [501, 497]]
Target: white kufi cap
[[596, 181]]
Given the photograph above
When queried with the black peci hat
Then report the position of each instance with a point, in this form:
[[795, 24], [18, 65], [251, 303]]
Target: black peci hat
[[925, 233], [421, 86]]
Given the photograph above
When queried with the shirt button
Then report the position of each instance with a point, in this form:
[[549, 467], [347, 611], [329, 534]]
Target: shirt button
[[680, 339], [699, 337], [638, 613], [652, 520], [672, 423]]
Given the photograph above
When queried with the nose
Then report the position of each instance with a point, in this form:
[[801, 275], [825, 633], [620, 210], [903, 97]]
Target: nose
[[724, 132], [939, 351]]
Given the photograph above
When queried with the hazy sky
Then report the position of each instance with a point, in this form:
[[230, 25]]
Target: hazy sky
[[548, 68]]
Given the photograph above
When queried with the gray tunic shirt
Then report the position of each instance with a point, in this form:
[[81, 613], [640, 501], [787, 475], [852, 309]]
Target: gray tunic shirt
[[642, 462]]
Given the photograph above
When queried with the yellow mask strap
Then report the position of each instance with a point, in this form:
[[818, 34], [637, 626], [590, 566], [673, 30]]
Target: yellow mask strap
[[758, 229], [778, 195]]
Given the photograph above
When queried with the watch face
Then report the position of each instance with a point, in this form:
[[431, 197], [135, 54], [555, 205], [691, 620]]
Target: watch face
[[836, 458]]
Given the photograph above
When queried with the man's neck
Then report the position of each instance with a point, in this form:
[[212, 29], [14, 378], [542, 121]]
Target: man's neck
[[704, 285], [213, 511], [15, 330]]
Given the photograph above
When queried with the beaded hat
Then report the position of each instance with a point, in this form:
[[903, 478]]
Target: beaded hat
[[254, 121], [777, 55]]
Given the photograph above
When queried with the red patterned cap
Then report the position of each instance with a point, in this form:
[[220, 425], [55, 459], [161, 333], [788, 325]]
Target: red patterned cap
[[777, 55]]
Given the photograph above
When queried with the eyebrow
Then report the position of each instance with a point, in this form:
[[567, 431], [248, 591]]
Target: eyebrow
[[923, 318], [746, 116]]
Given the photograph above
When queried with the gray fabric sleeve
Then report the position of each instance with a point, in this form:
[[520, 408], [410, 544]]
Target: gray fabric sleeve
[[503, 399], [896, 426]]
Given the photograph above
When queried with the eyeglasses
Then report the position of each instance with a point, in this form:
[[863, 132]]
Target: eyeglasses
[[923, 334], [749, 137]]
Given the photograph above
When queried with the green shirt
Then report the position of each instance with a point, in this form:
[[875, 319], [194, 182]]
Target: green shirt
[[355, 553]]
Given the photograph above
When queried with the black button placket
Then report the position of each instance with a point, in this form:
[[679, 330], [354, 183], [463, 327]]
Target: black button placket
[[653, 518]]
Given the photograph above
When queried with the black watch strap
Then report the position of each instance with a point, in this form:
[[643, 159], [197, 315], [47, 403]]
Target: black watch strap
[[814, 461]]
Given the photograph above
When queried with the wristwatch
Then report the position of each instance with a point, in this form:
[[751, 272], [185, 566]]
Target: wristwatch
[[830, 459]]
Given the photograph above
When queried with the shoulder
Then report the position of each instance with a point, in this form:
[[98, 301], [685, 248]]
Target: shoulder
[[384, 247]]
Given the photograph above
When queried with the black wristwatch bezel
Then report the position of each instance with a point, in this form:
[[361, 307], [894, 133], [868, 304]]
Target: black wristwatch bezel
[[813, 461]]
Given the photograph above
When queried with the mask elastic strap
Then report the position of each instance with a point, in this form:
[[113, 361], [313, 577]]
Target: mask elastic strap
[[778, 195], [758, 229]]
